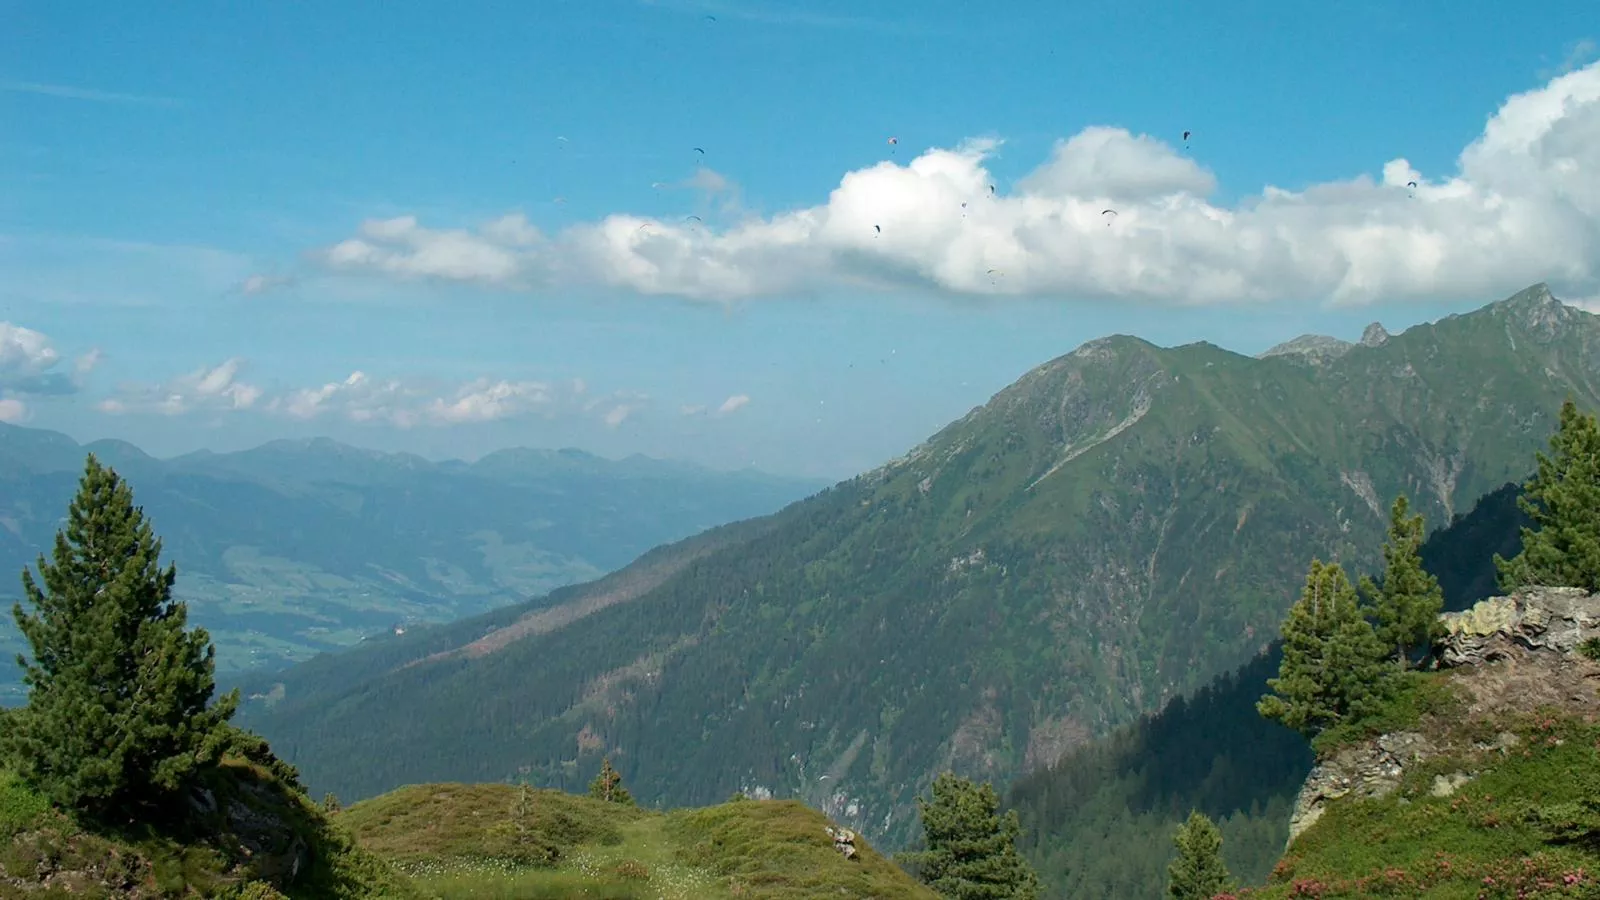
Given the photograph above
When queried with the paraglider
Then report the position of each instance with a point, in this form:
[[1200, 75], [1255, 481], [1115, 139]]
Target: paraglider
[[695, 218], [893, 142], [877, 229], [1112, 212]]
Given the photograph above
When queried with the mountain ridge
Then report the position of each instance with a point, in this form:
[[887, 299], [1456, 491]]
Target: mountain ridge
[[1117, 527], [336, 542]]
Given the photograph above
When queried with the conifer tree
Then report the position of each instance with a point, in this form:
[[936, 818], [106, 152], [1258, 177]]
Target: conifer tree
[[607, 785], [1332, 665], [1407, 599], [1198, 872], [1563, 500], [971, 849], [119, 710]]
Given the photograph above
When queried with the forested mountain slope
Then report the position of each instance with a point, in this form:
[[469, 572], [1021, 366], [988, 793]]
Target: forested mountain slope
[[1098, 824], [295, 547], [1123, 524]]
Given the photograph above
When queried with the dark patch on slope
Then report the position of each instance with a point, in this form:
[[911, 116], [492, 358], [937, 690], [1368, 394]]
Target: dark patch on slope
[[1214, 753]]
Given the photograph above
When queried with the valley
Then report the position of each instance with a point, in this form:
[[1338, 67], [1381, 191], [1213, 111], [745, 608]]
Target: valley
[[298, 548]]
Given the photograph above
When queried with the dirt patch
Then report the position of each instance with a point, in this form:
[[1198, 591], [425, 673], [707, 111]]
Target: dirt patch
[[1522, 680]]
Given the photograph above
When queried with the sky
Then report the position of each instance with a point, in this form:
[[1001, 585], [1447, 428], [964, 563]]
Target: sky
[[799, 236]]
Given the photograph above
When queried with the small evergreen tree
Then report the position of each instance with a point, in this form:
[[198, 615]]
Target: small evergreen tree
[[119, 710], [607, 785], [1406, 601], [1332, 665], [1198, 872], [971, 849], [1563, 500]]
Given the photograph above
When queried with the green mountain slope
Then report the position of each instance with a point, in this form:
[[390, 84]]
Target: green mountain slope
[[1098, 824], [495, 840], [1121, 525], [296, 547]]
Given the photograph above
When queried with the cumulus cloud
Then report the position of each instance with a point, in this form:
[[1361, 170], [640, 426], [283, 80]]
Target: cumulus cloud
[[501, 252], [361, 398], [28, 365], [1522, 205], [12, 410], [217, 388], [733, 404]]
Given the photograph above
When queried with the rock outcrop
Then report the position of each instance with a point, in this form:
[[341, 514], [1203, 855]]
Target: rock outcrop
[[1510, 653], [1550, 619], [844, 841]]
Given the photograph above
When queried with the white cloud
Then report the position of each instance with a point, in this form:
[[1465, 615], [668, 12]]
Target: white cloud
[[361, 398], [77, 93], [1523, 205], [498, 253], [260, 284], [24, 351], [728, 407], [12, 410], [205, 389], [28, 360]]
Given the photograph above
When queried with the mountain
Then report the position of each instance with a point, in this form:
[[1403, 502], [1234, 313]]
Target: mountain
[[1120, 526], [1098, 824], [296, 547]]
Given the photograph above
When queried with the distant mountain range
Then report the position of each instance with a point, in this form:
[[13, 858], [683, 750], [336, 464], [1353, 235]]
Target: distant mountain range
[[1120, 526], [296, 547]]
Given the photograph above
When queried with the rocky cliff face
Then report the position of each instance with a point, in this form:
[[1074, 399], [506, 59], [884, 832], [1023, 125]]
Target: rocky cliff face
[[1505, 655]]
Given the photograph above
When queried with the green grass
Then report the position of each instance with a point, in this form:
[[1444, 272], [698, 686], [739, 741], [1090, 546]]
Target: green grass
[[501, 841], [1500, 835], [46, 853]]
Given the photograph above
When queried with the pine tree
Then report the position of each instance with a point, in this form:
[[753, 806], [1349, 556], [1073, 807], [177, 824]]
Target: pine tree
[[972, 852], [119, 710], [1563, 500], [607, 785], [1407, 599], [1198, 872], [1332, 667]]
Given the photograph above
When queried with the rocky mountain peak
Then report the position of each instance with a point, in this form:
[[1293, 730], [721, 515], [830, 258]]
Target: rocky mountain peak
[[1313, 348], [1374, 335], [1536, 311]]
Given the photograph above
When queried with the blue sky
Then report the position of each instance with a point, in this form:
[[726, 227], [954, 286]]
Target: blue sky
[[209, 212]]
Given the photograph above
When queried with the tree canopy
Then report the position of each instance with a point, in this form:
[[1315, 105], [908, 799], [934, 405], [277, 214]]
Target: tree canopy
[[971, 849], [1406, 600], [120, 709], [1562, 549], [1332, 667], [1198, 872]]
